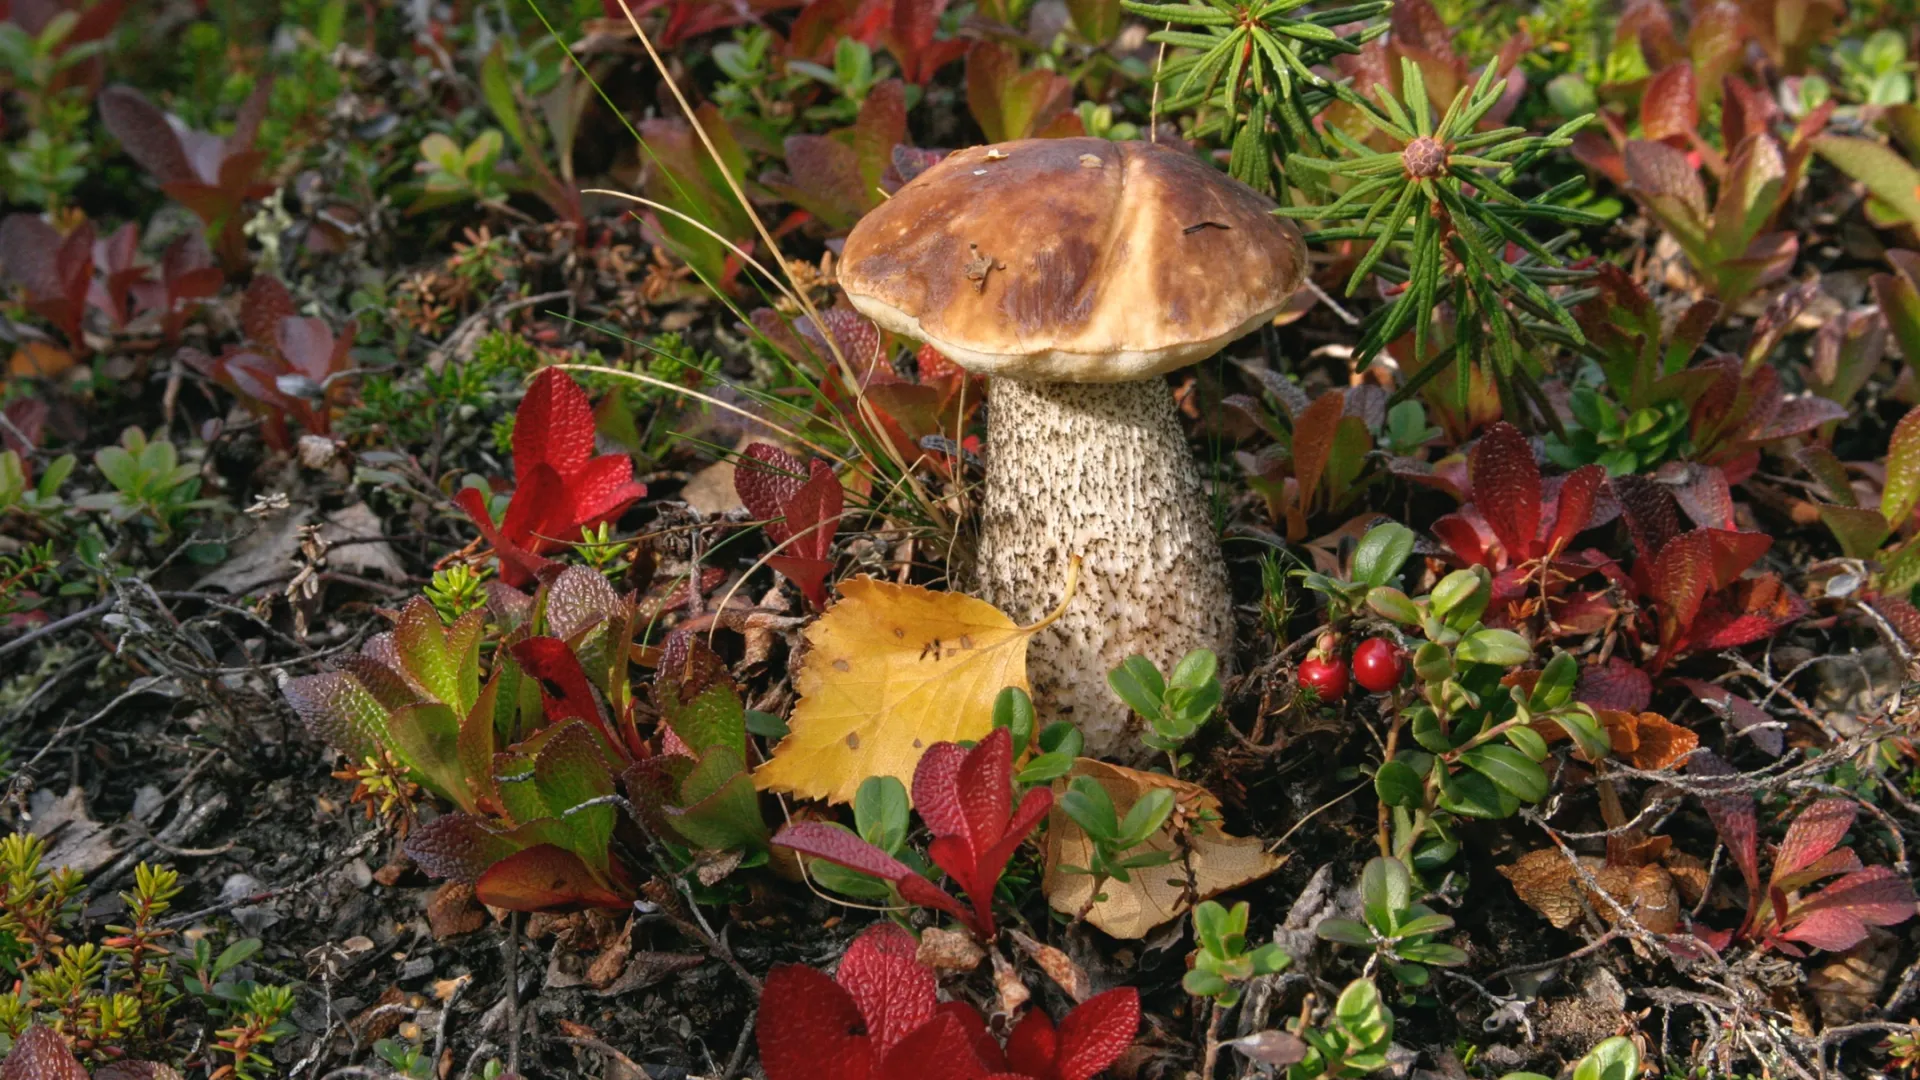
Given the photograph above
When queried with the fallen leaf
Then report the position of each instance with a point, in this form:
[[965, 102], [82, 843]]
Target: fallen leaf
[[39, 360], [453, 911], [948, 950], [1647, 740], [1848, 986], [1009, 992], [74, 840], [368, 555], [1157, 894], [1546, 883], [1058, 966], [891, 670]]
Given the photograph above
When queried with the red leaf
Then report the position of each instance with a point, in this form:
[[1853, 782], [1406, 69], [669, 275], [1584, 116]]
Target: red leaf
[[1506, 489], [1670, 106], [893, 991], [1033, 1044], [767, 478], [1652, 516], [984, 1046], [1731, 554], [1735, 819], [810, 1027], [802, 515], [1682, 576], [41, 1054], [145, 133], [1573, 510], [262, 307], [1752, 609], [823, 841], [1818, 830], [544, 878], [965, 797], [937, 1050], [1615, 685], [1466, 534], [1833, 929], [458, 846], [554, 425], [560, 487], [1094, 1035], [1701, 491], [518, 566], [1746, 718], [564, 689], [1878, 895]]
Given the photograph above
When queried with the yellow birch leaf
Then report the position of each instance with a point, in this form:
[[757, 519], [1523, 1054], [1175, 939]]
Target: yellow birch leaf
[[1156, 894], [891, 670]]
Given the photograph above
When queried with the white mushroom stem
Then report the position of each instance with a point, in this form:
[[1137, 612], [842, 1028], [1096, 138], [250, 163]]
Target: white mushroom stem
[[1099, 470]]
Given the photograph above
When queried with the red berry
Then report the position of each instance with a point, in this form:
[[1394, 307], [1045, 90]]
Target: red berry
[[1326, 678], [1377, 664]]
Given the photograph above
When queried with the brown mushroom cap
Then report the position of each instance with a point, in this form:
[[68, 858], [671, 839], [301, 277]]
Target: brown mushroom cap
[[1073, 260]]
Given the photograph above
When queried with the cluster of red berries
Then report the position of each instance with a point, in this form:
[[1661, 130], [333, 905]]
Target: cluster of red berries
[[1377, 665]]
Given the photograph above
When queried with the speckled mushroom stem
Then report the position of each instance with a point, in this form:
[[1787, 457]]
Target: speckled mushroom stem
[[1101, 470]]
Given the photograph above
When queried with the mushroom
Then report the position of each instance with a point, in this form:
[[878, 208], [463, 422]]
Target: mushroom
[[1075, 273]]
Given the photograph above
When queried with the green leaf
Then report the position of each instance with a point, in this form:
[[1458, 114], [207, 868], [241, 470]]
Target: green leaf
[[1586, 731], [1555, 686], [766, 725], [1884, 173], [1528, 742], [1424, 924], [571, 772], [1381, 553], [1145, 817], [1509, 768], [1409, 974], [726, 815], [1436, 953], [715, 718], [1614, 1059], [1502, 648], [1360, 1013], [1902, 491], [1398, 785], [496, 86], [427, 737], [1195, 670], [1013, 710], [1091, 808], [1344, 931], [1391, 603], [1471, 794], [1201, 983], [880, 812], [1386, 889], [1138, 683]]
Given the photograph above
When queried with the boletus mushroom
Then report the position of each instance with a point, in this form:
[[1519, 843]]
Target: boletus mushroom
[[1075, 273]]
